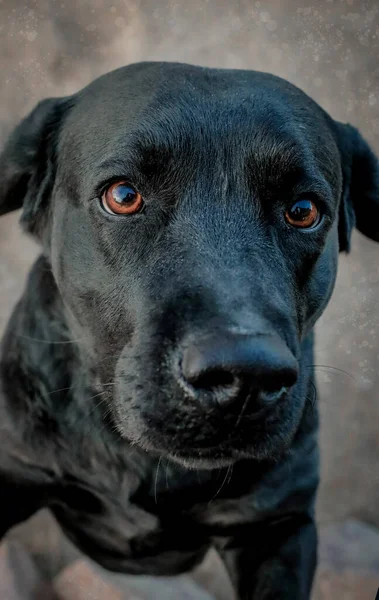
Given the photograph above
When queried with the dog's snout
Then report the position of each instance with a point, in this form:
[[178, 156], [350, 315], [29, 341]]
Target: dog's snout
[[224, 364]]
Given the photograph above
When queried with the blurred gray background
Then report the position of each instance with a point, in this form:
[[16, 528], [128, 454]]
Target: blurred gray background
[[328, 48]]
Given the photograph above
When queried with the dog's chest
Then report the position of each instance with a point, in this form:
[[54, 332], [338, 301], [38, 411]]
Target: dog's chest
[[150, 518], [122, 521]]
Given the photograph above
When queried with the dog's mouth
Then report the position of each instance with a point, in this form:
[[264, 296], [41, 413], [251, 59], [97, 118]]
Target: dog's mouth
[[230, 452], [213, 417], [218, 395], [210, 441], [222, 454]]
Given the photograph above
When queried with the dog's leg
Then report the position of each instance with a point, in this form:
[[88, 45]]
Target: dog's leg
[[276, 563]]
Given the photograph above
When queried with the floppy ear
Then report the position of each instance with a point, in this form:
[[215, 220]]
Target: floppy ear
[[27, 163], [359, 204]]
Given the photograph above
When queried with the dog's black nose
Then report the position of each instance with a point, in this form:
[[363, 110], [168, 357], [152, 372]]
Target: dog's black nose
[[222, 364]]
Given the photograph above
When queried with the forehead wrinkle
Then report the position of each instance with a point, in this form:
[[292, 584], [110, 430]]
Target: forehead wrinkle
[[270, 155], [277, 152], [172, 156], [150, 160], [177, 139]]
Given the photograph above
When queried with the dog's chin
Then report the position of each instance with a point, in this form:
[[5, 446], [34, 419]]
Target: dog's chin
[[208, 461], [201, 445], [226, 457], [216, 457], [199, 463], [272, 446]]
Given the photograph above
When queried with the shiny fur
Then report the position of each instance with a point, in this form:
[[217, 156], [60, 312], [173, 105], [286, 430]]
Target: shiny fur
[[95, 422]]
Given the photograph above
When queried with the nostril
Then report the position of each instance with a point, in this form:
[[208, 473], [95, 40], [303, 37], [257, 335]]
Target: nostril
[[209, 380], [226, 365]]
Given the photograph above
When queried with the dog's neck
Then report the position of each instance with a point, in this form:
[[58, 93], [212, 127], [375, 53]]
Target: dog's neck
[[38, 351]]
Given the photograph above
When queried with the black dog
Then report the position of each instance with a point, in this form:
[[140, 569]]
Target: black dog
[[157, 387]]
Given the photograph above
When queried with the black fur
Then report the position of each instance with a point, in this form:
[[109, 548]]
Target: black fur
[[95, 423]]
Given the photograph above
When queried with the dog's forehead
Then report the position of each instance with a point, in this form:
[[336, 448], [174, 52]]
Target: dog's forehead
[[161, 91], [181, 106]]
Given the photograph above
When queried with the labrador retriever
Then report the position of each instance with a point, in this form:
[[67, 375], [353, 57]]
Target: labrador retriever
[[157, 389]]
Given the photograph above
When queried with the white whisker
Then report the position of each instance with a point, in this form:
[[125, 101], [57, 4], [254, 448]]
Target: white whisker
[[156, 480]]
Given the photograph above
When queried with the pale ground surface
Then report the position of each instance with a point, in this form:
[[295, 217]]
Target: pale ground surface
[[328, 48]]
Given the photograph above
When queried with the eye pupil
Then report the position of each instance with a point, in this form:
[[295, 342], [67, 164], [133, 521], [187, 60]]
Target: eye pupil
[[303, 214], [121, 199], [123, 193], [301, 209]]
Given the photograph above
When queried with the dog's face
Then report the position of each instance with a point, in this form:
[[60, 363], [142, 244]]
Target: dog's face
[[193, 218]]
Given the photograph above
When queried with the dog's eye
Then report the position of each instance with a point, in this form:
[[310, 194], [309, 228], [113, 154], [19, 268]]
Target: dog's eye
[[303, 214], [121, 199]]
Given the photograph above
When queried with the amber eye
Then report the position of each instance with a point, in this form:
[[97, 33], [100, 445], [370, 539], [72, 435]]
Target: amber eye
[[121, 199], [303, 214]]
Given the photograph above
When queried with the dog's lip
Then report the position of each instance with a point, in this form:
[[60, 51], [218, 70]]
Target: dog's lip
[[213, 456]]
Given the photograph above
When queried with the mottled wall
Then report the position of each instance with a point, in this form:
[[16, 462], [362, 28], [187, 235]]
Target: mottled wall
[[330, 49]]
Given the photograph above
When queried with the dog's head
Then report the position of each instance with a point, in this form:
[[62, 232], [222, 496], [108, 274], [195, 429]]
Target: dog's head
[[192, 218]]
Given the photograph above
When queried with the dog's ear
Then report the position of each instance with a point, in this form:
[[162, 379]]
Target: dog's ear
[[359, 203], [27, 163]]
